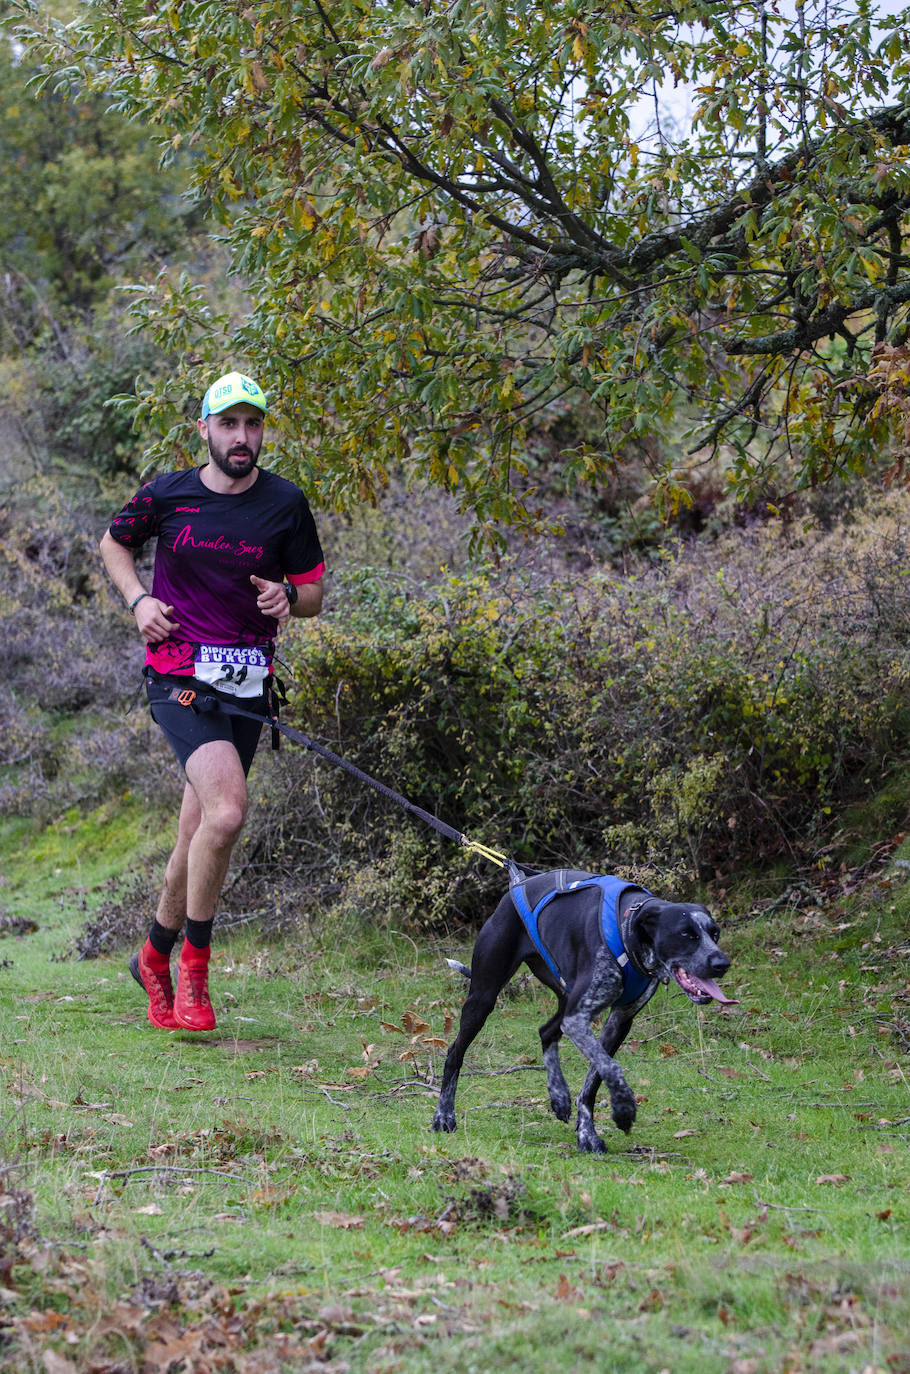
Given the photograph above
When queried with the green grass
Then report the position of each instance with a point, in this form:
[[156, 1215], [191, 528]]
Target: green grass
[[273, 1191]]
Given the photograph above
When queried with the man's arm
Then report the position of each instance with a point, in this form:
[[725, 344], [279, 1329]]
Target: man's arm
[[272, 599], [309, 599], [120, 563], [152, 615]]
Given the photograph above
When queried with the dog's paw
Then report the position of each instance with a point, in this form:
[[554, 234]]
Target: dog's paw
[[589, 1142], [624, 1116], [444, 1121], [561, 1106]]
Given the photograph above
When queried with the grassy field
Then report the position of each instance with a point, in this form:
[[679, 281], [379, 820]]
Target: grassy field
[[271, 1196]]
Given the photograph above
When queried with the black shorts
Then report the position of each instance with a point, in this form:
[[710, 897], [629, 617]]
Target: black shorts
[[188, 726]]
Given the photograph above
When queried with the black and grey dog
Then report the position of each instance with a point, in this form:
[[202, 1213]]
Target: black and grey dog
[[596, 942]]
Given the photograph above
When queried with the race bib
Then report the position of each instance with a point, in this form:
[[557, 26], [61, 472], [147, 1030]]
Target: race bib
[[240, 672]]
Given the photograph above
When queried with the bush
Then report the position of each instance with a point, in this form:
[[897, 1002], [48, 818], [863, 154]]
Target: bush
[[70, 667], [714, 711], [717, 709]]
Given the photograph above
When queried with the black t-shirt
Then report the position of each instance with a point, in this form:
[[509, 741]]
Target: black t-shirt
[[209, 544]]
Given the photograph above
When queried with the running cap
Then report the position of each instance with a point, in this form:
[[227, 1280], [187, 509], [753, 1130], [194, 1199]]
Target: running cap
[[230, 390]]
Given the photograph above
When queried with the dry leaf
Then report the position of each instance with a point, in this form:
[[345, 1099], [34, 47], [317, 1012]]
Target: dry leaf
[[413, 1023], [342, 1221], [736, 1177], [57, 1364], [588, 1230], [565, 1291], [836, 1179]]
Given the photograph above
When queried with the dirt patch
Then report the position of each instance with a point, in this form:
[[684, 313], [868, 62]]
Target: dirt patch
[[233, 1046]]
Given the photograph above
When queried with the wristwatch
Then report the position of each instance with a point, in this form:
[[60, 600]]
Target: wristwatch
[[290, 592]]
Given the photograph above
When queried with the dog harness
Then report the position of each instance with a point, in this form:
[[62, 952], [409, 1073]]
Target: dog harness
[[611, 889]]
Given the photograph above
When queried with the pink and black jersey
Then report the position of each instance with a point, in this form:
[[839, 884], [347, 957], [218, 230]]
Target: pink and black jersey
[[209, 544]]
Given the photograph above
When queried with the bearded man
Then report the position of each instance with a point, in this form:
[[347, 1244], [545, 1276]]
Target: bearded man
[[237, 553]]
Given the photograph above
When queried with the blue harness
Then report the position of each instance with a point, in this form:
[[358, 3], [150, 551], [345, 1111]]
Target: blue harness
[[634, 983]]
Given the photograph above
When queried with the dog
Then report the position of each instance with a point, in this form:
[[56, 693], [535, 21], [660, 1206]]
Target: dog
[[597, 942]]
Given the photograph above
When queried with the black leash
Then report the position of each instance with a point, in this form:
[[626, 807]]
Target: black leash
[[189, 697]]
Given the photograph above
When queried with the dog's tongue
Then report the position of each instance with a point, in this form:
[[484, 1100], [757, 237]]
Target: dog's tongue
[[714, 990], [707, 986]]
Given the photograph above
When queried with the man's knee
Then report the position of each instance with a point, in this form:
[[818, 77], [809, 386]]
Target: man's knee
[[224, 821]]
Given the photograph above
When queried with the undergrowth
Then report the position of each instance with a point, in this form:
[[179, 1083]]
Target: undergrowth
[[709, 713], [272, 1196]]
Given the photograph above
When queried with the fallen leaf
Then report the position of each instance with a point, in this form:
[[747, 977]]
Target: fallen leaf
[[587, 1230], [57, 1364], [681, 1135], [342, 1221], [306, 1070], [736, 1177], [565, 1291], [836, 1179], [151, 1210]]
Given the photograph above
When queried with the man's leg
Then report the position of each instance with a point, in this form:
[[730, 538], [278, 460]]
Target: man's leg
[[171, 913], [210, 826], [152, 965]]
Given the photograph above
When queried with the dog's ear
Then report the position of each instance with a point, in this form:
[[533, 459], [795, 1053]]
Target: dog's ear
[[644, 931]]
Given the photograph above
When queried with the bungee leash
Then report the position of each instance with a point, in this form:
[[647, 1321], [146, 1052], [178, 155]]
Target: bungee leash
[[191, 699]]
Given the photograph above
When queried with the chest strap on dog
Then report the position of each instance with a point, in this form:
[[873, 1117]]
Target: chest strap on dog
[[611, 889], [530, 918]]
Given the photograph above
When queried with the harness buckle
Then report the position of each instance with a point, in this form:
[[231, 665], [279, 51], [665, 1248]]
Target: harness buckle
[[185, 696]]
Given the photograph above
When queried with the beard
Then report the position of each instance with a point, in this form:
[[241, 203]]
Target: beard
[[234, 460]]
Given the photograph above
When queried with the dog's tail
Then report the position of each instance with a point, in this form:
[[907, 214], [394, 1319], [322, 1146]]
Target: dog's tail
[[458, 967]]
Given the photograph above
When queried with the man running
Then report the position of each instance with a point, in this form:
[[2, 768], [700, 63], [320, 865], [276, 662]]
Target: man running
[[237, 553]]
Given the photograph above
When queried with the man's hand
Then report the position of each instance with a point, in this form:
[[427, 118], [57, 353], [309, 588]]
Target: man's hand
[[272, 599], [153, 619]]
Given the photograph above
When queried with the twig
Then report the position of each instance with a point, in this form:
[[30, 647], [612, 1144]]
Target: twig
[[169, 1255], [780, 1207], [345, 1106], [497, 1073], [166, 1169]]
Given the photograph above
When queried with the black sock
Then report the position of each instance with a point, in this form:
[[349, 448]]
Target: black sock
[[199, 933], [162, 939]]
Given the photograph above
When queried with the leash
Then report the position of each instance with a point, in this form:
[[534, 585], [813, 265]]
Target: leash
[[189, 698]]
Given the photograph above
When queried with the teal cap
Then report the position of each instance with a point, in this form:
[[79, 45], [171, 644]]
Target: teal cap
[[230, 390]]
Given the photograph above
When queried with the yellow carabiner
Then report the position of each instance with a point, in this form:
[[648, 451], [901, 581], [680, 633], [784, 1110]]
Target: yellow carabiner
[[494, 855]]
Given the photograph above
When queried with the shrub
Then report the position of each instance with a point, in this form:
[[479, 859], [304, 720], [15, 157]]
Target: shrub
[[715, 710]]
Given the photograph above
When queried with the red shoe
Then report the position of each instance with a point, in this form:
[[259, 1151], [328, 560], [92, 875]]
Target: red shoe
[[192, 1008], [160, 991]]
